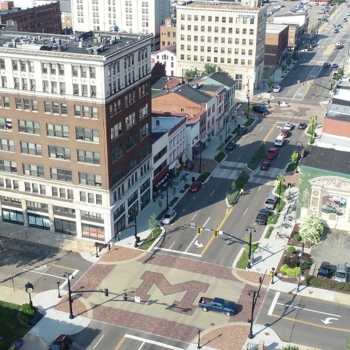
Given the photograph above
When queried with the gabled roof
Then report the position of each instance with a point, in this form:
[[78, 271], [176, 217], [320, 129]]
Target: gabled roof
[[223, 79], [193, 95], [158, 82]]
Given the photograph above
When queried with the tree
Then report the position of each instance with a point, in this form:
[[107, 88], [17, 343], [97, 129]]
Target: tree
[[311, 229], [289, 61], [295, 55], [174, 191], [270, 82], [152, 221], [249, 110], [160, 203], [295, 157], [212, 68], [192, 73], [283, 68], [279, 181]]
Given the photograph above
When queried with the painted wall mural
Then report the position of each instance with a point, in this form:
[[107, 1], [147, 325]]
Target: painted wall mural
[[334, 205]]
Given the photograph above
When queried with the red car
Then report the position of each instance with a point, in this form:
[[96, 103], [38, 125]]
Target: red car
[[196, 185], [284, 133], [265, 165], [271, 153]]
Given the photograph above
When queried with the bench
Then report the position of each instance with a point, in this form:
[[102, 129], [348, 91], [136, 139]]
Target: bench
[[36, 318]]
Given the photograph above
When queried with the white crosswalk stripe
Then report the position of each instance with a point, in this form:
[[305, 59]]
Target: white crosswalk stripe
[[225, 173], [234, 164], [272, 172]]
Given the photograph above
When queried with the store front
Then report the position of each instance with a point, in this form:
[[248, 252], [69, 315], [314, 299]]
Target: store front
[[13, 216], [38, 221], [93, 231]]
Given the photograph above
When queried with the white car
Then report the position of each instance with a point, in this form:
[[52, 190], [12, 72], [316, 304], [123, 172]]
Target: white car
[[169, 217], [276, 89], [284, 104], [288, 126]]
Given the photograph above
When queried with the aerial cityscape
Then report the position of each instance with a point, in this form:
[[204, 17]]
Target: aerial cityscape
[[174, 174]]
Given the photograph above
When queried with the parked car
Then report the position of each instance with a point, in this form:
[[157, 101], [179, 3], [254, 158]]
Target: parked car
[[336, 31], [169, 217], [62, 342], [276, 88], [325, 270], [271, 201], [217, 304], [302, 126], [284, 133], [261, 218], [284, 104], [260, 109], [345, 20], [340, 274], [196, 185], [242, 130], [230, 146], [265, 166], [271, 153], [326, 65], [334, 65], [288, 126], [340, 26]]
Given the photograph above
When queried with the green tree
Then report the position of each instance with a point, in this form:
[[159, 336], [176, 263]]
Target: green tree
[[270, 82], [192, 73], [289, 61], [295, 157], [348, 342], [283, 68], [340, 73], [209, 68], [295, 55], [152, 221], [249, 110], [279, 182], [160, 203], [311, 229]]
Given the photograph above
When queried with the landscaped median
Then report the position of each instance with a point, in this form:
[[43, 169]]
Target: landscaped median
[[256, 159], [236, 187]]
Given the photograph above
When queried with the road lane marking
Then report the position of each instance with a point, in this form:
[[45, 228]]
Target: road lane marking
[[303, 309], [199, 245], [64, 267], [245, 211], [259, 188], [206, 222], [42, 273], [177, 251], [274, 301], [211, 194], [98, 341], [194, 216], [172, 245], [148, 341], [120, 343], [328, 320], [339, 240], [268, 134], [196, 236], [66, 281], [239, 158], [312, 324]]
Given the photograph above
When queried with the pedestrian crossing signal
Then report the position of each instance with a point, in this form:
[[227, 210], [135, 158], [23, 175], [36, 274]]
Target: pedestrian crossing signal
[[216, 233], [106, 292], [199, 230]]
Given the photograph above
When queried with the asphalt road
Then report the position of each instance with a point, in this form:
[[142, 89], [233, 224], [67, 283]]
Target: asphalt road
[[37, 263], [307, 321], [101, 336]]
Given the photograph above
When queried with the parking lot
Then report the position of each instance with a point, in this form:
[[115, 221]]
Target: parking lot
[[334, 249]]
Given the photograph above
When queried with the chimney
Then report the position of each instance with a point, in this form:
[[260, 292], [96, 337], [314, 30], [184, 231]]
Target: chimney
[[157, 122]]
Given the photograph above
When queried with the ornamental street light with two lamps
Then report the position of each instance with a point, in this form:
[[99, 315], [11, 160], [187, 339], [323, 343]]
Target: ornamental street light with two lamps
[[250, 229], [30, 289]]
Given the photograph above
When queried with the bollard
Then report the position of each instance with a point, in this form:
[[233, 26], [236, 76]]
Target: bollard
[[125, 296]]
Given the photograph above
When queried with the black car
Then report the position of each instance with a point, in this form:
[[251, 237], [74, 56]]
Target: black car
[[241, 131], [62, 342], [260, 109], [261, 218], [230, 146], [326, 270], [326, 65], [302, 126]]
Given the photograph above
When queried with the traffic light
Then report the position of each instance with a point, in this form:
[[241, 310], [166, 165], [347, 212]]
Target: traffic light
[[106, 292], [216, 233], [199, 230], [313, 85], [303, 83]]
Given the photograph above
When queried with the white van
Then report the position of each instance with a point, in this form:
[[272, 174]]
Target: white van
[[279, 140]]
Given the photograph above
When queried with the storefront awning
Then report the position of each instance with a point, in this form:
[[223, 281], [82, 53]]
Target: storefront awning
[[184, 158]]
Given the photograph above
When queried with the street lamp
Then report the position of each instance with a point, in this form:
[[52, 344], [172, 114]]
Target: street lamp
[[133, 214], [250, 229], [30, 289], [167, 196], [300, 265], [67, 275], [58, 289], [273, 274], [251, 321], [200, 157], [199, 339]]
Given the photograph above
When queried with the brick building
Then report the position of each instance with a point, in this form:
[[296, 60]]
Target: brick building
[[75, 131], [37, 19], [168, 33], [276, 44]]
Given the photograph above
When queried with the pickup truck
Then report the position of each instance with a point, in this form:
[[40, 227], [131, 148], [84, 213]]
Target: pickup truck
[[218, 305]]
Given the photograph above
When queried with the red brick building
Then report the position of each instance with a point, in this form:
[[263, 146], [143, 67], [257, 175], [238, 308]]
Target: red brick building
[[276, 43]]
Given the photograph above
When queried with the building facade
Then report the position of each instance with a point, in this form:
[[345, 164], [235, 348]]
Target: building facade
[[225, 34], [41, 19], [166, 57], [168, 33], [276, 44], [131, 16], [76, 132]]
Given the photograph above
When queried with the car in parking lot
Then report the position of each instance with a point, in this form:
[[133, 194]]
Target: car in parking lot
[[276, 88], [169, 217], [62, 342], [265, 166], [195, 186], [263, 215], [230, 146], [260, 109], [340, 273], [271, 153], [242, 130], [326, 270], [288, 126], [326, 65], [271, 201], [302, 126], [284, 133]]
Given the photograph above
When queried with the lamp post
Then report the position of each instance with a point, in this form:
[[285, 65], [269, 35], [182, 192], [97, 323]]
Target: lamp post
[[251, 321], [58, 289], [199, 339], [67, 275], [273, 274], [200, 157], [167, 196], [300, 265], [29, 289], [134, 213], [250, 229]]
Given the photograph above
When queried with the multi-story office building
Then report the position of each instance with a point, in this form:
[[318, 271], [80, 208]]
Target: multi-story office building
[[75, 131], [131, 16], [223, 33], [168, 33]]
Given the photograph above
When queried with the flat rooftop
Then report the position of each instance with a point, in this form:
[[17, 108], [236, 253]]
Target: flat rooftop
[[275, 28], [338, 112], [164, 124], [219, 5], [94, 43], [332, 141]]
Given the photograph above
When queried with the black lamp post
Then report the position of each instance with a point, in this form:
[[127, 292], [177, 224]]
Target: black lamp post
[[300, 264], [251, 321], [133, 214], [67, 275], [58, 289], [29, 289], [273, 274], [250, 229], [199, 339], [200, 157]]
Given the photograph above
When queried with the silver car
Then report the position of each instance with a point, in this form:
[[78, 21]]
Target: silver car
[[169, 217], [341, 273]]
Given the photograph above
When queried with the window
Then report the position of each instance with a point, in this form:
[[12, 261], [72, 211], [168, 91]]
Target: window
[[45, 86], [94, 113], [34, 105], [61, 174], [57, 130], [131, 141], [5, 124], [24, 84], [32, 84], [55, 108], [89, 179], [236, 61], [16, 83], [244, 31], [98, 199], [64, 108], [130, 120], [77, 111], [244, 41], [87, 134], [18, 102], [82, 196], [84, 90], [132, 162], [88, 157], [83, 71], [29, 127], [250, 41], [75, 89], [31, 66], [14, 65], [33, 170], [86, 112], [47, 107], [62, 88], [61, 69], [116, 130], [144, 131], [44, 68], [92, 72], [53, 68], [251, 31], [7, 145], [93, 90], [59, 152], [31, 148], [117, 152], [237, 41], [75, 71], [9, 166], [54, 87]]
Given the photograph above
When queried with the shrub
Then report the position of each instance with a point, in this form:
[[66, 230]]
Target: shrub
[[297, 237], [258, 156], [292, 272], [291, 250], [275, 218], [286, 258], [203, 177], [233, 186], [242, 179], [284, 268], [291, 347], [311, 229], [280, 206], [306, 265], [219, 157], [249, 122], [291, 167], [231, 197], [315, 281], [269, 231]]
